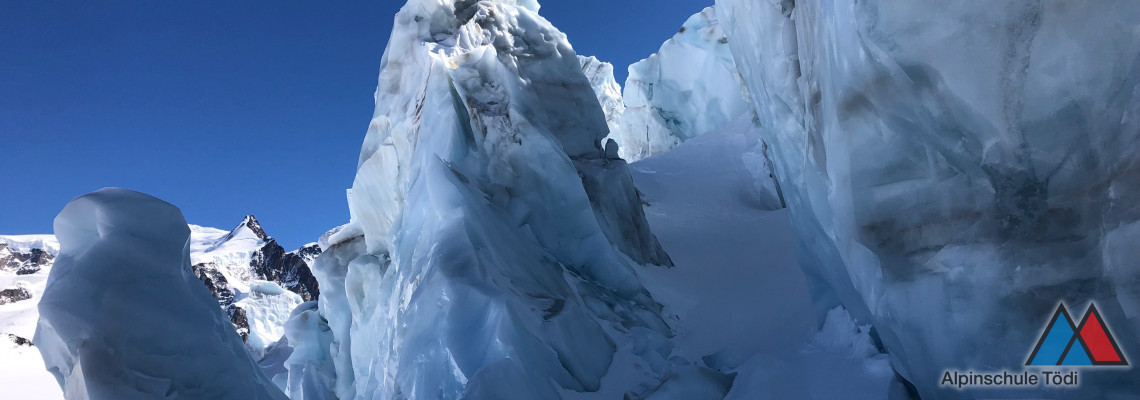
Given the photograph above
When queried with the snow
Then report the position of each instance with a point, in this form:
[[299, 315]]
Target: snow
[[689, 87], [164, 337], [22, 373], [954, 170], [838, 362], [230, 251], [737, 283], [19, 318], [267, 306], [25, 243], [738, 294]]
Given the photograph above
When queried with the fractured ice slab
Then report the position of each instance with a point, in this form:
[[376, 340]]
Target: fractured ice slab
[[689, 87], [124, 317], [606, 88], [493, 242], [954, 170]]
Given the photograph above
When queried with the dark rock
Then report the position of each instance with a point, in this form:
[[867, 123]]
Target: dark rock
[[290, 270], [25, 263], [19, 340], [12, 295]]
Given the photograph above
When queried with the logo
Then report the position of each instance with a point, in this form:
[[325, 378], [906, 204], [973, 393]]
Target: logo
[[1088, 344]]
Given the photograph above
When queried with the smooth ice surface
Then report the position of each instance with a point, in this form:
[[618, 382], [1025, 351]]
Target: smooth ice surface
[[164, 336], [689, 87], [954, 170]]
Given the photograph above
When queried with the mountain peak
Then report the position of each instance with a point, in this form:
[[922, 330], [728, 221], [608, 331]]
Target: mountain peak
[[250, 222], [248, 234]]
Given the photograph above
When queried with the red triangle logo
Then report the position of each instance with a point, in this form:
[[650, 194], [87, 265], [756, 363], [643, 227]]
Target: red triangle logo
[[1101, 346]]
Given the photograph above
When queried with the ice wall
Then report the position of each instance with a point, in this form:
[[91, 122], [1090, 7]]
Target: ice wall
[[955, 170], [493, 240], [124, 317], [689, 87], [606, 89]]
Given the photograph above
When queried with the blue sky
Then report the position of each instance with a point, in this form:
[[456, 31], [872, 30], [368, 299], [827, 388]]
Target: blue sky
[[223, 108]]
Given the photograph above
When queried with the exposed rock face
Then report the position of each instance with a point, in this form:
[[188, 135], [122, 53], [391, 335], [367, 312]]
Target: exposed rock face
[[291, 269], [231, 262], [219, 288], [12, 295], [24, 262], [19, 341]]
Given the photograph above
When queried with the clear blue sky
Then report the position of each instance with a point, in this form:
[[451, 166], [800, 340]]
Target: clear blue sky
[[224, 108]]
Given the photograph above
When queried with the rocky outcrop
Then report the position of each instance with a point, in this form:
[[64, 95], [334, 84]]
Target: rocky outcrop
[[12, 295]]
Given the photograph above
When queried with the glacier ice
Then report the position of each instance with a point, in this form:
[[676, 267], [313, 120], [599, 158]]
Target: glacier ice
[[492, 245], [606, 89], [300, 363], [955, 170], [689, 87], [267, 307], [228, 262], [124, 317]]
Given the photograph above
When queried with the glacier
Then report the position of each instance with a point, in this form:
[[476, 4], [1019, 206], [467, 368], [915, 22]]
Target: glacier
[[952, 195], [607, 91], [165, 337], [689, 87], [494, 241]]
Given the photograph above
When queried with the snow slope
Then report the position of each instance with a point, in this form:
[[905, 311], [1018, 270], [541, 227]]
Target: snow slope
[[738, 295]]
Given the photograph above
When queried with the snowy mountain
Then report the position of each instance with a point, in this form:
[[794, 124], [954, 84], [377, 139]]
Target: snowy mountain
[[250, 276], [254, 280]]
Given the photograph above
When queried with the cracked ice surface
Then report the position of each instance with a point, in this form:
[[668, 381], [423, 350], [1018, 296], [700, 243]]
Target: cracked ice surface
[[493, 241], [955, 170]]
